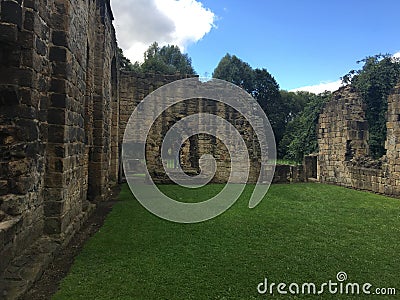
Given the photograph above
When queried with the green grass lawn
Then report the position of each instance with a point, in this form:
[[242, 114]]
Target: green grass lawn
[[299, 233]]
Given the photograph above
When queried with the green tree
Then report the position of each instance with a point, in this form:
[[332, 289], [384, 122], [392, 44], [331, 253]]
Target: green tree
[[234, 70], [125, 63], [260, 84], [374, 82], [300, 137], [295, 102], [166, 60], [265, 90]]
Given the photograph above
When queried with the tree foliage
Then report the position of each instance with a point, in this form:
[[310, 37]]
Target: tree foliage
[[293, 104], [125, 63], [374, 82], [300, 137], [234, 70], [166, 60], [260, 84], [266, 92]]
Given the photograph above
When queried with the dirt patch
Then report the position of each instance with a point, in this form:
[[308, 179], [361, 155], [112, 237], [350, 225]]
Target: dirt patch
[[48, 284]]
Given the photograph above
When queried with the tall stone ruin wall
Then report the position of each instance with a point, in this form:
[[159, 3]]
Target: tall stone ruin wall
[[135, 87], [194, 148], [64, 109], [343, 145], [58, 118], [64, 106]]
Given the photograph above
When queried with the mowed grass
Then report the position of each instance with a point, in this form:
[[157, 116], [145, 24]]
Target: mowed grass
[[299, 233]]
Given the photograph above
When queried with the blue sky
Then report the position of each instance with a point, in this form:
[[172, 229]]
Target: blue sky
[[301, 43]]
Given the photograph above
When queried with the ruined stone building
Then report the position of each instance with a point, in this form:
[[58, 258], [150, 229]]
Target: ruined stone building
[[58, 125], [343, 145], [64, 105], [131, 94]]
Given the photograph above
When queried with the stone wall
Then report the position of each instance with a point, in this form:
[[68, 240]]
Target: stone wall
[[24, 33], [64, 107], [289, 174], [58, 114], [343, 145], [200, 144], [392, 167], [134, 88]]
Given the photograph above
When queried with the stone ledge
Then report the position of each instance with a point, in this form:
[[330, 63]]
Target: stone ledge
[[27, 268]]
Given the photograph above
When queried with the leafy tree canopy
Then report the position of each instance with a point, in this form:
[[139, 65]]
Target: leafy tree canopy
[[295, 101], [236, 71], [165, 60], [300, 137], [260, 84], [374, 81]]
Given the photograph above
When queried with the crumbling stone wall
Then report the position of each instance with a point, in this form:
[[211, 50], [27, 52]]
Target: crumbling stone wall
[[289, 174], [64, 106], [391, 167], [135, 87], [58, 114], [201, 144], [343, 145]]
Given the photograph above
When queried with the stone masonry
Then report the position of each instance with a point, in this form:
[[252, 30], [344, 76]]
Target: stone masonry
[[64, 106], [58, 127], [343, 145], [134, 87]]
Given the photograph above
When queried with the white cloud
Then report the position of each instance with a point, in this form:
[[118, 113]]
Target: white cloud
[[320, 88], [141, 22]]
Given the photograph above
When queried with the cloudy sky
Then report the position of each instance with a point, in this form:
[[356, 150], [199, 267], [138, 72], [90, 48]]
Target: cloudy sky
[[304, 44], [141, 22]]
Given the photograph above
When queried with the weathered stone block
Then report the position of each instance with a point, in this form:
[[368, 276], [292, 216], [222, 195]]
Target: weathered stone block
[[9, 56], [11, 12], [56, 134], [41, 47], [56, 116], [25, 77], [60, 38], [18, 167], [52, 225], [8, 33], [9, 76], [21, 185], [58, 54], [53, 208], [58, 85], [62, 69], [58, 101], [9, 95], [27, 129]]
